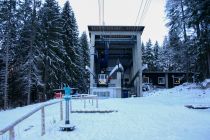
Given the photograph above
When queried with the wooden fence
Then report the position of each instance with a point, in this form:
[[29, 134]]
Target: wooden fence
[[11, 127]]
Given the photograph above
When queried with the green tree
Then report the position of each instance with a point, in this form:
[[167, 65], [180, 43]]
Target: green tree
[[28, 52], [149, 56], [156, 51], [189, 21], [8, 27], [85, 58], [71, 45], [52, 48]]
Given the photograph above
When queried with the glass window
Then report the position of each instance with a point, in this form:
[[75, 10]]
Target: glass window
[[101, 76], [176, 80], [146, 80], [161, 80], [102, 94]]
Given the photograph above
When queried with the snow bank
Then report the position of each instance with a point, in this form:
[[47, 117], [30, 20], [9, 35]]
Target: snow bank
[[206, 83]]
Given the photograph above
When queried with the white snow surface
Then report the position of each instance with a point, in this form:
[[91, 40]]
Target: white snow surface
[[159, 115], [205, 82]]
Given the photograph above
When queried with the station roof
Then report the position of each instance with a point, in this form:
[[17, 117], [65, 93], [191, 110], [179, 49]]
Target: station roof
[[116, 28]]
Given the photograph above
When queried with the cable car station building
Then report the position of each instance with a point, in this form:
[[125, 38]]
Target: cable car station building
[[115, 56]]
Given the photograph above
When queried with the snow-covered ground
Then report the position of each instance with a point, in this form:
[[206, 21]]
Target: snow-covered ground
[[159, 115]]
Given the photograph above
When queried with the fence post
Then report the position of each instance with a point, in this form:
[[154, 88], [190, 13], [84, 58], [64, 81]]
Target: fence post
[[42, 121], [61, 110], [97, 102], [12, 134]]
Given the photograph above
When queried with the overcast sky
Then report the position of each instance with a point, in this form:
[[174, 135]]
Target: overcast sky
[[122, 12]]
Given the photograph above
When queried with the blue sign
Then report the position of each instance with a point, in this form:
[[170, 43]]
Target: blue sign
[[67, 91]]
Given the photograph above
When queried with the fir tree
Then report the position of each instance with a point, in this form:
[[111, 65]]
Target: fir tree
[[178, 56], [71, 45], [50, 38], [189, 20], [85, 57], [197, 13], [156, 50], [149, 56], [165, 62], [8, 27], [29, 54]]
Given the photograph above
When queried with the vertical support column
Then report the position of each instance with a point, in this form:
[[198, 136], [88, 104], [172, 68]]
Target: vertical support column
[[12, 134], [97, 102], [118, 85], [61, 110], [166, 80], [134, 60], [92, 53], [42, 121], [139, 64], [134, 67]]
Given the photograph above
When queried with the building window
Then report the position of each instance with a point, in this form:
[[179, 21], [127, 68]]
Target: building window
[[176, 80], [102, 94], [161, 80], [146, 80]]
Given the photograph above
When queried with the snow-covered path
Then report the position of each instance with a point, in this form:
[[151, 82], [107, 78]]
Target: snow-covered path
[[159, 115]]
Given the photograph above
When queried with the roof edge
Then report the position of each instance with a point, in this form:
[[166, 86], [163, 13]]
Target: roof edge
[[115, 28]]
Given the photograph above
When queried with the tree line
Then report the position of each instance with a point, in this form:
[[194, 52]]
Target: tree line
[[186, 48], [189, 35], [40, 49], [158, 58]]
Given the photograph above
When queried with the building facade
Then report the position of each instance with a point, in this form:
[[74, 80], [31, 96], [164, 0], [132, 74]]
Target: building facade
[[115, 58]]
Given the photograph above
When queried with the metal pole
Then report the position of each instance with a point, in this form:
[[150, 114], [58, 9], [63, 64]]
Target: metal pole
[[96, 102], [61, 110], [70, 105], [67, 112]]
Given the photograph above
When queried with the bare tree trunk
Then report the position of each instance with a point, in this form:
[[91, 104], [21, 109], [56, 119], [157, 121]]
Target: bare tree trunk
[[208, 64], [30, 67], [185, 42], [32, 38], [29, 88], [183, 22], [6, 78], [46, 72]]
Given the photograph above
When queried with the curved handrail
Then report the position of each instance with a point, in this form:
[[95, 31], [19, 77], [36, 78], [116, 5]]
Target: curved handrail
[[12, 125]]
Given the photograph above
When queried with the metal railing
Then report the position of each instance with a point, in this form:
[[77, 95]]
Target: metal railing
[[85, 97], [11, 129]]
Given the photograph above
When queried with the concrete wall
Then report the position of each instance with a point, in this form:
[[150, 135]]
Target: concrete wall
[[137, 65], [112, 92]]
